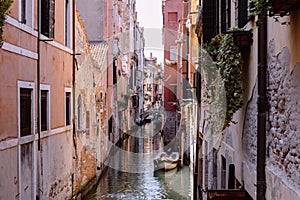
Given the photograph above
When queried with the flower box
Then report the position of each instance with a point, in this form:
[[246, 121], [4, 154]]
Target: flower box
[[243, 39]]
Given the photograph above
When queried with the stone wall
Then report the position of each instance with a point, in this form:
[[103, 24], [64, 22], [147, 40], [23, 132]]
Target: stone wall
[[284, 116]]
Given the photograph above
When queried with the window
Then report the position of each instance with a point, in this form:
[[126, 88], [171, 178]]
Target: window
[[173, 53], [87, 119], [26, 12], [225, 15], [48, 17], [115, 66], [79, 121], [231, 177], [25, 111], [67, 23], [223, 173], [172, 16], [242, 13], [44, 110], [210, 19], [68, 108]]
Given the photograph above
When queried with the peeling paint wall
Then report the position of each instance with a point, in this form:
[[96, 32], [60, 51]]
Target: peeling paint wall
[[56, 166], [89, 122], [9, 174], [284, 114]]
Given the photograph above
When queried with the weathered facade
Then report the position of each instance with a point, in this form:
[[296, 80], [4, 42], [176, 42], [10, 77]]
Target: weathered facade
[[36, 126], [230, 157], [124, 37], [172, 13], [91, 146]]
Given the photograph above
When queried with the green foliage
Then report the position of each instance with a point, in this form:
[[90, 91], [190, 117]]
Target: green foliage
[[259, 8], [228, 59], [4, 6]]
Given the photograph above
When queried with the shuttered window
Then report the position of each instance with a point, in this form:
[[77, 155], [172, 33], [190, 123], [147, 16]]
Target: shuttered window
[[225, 15], [23, 11], [25, 111], [44, 110], [68, 108], [242, 13], [48, 17], [210, 19]]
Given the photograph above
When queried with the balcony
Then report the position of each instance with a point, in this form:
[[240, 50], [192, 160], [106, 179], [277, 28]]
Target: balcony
[[283, 7]]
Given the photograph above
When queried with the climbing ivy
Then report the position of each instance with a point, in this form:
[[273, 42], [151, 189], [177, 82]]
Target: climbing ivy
[[228, 60], [259, 8], [4, 6]]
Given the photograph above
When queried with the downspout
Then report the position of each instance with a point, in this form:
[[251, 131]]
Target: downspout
[[38, 100], [73, 89], [197, 90], [262, 103], [187, 54], [38, 75]]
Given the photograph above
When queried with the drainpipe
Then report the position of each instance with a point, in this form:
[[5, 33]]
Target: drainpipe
[[38, 157], [38, 75], [73, 87], [262, 103]]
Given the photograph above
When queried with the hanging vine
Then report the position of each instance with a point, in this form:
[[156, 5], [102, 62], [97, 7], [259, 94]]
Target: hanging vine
[[4, 6], [228, 60]]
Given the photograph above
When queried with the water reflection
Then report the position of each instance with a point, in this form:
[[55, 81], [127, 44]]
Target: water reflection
[[131, 175]]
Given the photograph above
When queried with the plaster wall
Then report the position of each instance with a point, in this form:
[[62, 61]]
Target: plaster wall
[[92, 9], [18, 38], [21, 68], [56, 166], [9, 174]]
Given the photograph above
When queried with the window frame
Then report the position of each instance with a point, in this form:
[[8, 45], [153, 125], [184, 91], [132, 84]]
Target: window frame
[[26, 85]]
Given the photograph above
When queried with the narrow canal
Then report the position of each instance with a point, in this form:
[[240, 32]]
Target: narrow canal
[[130, 174]]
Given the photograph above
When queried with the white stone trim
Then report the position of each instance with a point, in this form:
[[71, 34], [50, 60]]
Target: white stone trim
[[20, 51], [11, 143], [57, 45], [26, 139], [8, 144]]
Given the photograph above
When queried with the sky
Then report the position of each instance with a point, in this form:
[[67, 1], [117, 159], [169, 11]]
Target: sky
[[149, 15]]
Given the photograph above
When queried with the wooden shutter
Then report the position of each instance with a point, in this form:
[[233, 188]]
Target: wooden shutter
[[242, 13], [44, 105], [210, 19], [23, 11], [48, 18], [25, 111], [68, 108], [51, 18]]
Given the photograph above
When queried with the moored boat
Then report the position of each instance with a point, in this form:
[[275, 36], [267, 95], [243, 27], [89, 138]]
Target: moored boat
[[165, 161]]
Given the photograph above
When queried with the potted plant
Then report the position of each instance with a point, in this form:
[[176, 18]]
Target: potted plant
[[242, 38]]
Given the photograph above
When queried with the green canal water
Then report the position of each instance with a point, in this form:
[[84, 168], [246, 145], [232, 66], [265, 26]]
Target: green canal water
[[130, 173]]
